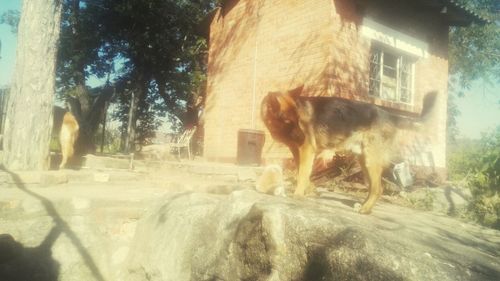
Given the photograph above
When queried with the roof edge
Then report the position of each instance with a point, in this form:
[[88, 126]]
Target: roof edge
[[475, 16]]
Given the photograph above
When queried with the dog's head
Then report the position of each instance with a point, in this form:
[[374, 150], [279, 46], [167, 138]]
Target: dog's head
[[279, 111]]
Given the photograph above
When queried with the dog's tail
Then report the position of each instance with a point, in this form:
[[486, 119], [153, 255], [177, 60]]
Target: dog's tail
[[425, 115], [428, 106]]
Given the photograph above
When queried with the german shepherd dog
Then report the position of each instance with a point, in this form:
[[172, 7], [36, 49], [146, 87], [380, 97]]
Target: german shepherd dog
[[67, 137], [311, 125]]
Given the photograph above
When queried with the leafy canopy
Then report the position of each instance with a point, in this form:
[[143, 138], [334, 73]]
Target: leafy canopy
[[474, 51], [11, 17]]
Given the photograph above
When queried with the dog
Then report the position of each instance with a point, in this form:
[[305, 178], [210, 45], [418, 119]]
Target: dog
[[67, 137], [314, 125]]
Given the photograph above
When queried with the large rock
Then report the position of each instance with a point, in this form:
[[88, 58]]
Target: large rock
[[251, 236]]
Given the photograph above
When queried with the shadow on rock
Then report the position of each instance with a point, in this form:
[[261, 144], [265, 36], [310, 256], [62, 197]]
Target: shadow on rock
[[24, 263], [347, 202], [45, 247]]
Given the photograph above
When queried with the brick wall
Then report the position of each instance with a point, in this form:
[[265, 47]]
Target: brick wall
[[270, 45], [257, 47]]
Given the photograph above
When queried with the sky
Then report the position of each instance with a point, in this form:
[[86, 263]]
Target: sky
[[480, 108], [8, 41]]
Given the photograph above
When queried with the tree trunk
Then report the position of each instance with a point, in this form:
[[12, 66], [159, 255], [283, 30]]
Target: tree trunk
[[29, 116], [140, 92], [88, 113], [79, 73]]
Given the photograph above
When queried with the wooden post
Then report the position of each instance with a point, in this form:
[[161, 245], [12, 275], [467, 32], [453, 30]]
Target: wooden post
[[104, 126], [130, 129]]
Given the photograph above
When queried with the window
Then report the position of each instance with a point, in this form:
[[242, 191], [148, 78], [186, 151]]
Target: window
[[391, 75]]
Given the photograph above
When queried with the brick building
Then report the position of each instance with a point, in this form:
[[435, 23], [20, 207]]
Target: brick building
[[387, 52]]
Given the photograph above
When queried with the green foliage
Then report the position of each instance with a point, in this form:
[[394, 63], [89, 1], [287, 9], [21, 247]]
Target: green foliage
[[151, 47], [474, 51], [451, 120], [424, 202], [148, 111], [462, 158], [477, 164], [54, 144], [112, 140], [11, 17], [158, 43], [81, 41], [485, 182]]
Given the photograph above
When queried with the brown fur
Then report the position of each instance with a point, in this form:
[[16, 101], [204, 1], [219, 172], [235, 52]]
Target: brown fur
[[310, 126], [67, 137]]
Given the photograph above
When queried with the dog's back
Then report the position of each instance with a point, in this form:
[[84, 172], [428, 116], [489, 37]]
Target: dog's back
[[333, 121], [67, 137], [338, 117]]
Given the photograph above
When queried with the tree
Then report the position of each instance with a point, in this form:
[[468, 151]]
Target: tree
[[80, 54], [148, 109], [485, 181], [451, 121], [155, 41], [161, 52], [476, 164], [474, 53], [475, 50], [10, 17], [29, 115]]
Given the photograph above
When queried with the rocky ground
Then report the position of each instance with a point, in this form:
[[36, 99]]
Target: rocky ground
[[199, 221]]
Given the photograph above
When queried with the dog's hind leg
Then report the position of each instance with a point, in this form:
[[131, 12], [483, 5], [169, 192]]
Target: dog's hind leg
[[65, 155], [63, 162], [372, 168], [67, 151], [306, 157], [64, 148]]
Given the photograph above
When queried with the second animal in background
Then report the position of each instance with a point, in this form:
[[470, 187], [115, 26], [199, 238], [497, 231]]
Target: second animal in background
[[67, 137]]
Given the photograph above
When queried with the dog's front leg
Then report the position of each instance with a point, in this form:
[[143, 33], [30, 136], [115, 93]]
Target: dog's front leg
[[295, 152], [306, 157]]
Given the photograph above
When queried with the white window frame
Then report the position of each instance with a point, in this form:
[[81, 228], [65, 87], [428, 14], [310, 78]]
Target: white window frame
[[398, 44], [400, 57]]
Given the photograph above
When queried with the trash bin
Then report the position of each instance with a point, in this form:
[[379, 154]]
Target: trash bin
[[250, 143]]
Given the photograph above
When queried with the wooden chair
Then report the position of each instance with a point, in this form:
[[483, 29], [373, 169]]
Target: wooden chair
[[184, 140]]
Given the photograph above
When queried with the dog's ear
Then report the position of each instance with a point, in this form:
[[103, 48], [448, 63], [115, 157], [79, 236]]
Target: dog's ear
[[295, 93]]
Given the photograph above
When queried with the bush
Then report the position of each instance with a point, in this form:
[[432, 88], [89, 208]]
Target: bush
[[478, 165]]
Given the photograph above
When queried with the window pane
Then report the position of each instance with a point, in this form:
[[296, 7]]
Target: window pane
[[375, 60], [390, 60], [405, 77], [390, 64], [374, 87], [391, 75], [389, 90], [405, 95]]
